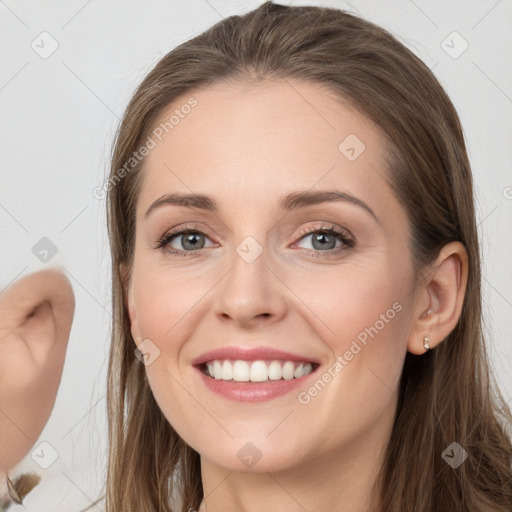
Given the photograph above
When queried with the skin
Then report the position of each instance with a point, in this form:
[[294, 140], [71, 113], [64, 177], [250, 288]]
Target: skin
[[36, 313], [246, 147]]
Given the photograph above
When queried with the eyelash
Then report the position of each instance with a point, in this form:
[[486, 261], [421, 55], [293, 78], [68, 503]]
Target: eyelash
[[342, 235]]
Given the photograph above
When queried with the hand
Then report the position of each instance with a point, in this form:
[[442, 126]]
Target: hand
[[36, 313]]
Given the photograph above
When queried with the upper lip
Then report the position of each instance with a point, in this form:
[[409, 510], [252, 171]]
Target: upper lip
[[251, 354]]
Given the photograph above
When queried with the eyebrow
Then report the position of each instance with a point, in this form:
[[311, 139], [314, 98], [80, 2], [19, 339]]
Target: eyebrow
[[293, 201]]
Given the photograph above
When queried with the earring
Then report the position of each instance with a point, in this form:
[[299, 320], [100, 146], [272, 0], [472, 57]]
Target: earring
[[426, 344]]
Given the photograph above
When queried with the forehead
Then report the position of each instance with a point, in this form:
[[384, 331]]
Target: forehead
[[244, 142]]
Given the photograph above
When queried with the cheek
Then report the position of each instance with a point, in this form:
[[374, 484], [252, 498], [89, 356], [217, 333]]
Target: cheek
[[358, 302], [365, 310], [164, 302], [164, 299], [368, 323]]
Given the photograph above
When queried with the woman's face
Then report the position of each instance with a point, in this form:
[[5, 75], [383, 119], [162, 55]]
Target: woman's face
[[263, 271]]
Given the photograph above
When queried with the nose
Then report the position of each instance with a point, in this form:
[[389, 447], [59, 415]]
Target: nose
[[250, 294]]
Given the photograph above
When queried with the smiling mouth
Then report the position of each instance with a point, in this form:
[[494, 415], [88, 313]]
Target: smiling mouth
[[256, 371]]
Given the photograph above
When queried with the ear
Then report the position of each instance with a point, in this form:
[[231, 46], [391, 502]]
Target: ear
[[441, 296], [129, 301], [36, 313]]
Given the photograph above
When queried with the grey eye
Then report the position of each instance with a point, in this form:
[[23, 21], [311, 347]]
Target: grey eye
[[321, 241], [192, 241]]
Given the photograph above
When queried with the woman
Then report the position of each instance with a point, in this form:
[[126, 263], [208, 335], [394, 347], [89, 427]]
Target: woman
[[296, 281], [260, 114]]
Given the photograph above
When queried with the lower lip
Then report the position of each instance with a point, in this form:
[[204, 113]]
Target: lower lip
[[252, 391]]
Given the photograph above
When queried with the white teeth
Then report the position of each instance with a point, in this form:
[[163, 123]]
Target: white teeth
[[217, 369], [240, 371], [257, 371], [298, 371], [274, 370], [227, 371], [288, 370]]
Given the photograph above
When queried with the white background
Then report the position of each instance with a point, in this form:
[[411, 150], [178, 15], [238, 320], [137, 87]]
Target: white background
[[58, 118]]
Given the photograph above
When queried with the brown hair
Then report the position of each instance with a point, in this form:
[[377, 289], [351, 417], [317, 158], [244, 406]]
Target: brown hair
[[446, 394]]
